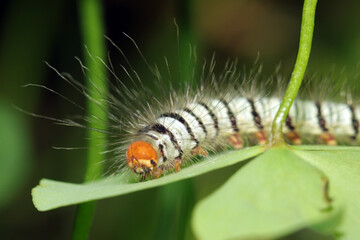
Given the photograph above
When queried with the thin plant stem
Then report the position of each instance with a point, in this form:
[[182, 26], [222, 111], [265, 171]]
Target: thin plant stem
[[176, 201], [306, 35], [92, 26]]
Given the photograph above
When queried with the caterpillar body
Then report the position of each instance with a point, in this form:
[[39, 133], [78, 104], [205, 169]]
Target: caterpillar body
[[151, 135], [173, 136]]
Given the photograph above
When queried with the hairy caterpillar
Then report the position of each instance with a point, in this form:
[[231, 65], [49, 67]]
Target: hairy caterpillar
[[154, 134], [174, 135]]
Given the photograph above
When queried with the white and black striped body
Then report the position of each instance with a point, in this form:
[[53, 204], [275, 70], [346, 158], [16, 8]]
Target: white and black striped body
[[208, 123]]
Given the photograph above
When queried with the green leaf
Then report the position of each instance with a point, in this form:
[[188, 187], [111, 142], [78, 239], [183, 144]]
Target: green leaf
[[275, 194], [342, 166], [51, 194]]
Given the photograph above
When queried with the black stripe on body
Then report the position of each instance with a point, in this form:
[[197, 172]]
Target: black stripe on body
[[256, 116], [322, 122], [231, 116], [151, 136], [163, 130], [197, 119], [355, 122], [214, 118], [161, 148], [289, 124], [183, 121]]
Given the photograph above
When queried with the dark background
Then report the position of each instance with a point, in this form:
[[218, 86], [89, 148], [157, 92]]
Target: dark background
[[32, 32]]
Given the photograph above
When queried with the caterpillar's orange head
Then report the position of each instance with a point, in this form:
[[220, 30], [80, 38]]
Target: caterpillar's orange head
[[141, 157]]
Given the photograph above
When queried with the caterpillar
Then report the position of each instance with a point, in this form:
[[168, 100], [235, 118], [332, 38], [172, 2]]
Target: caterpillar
[[152, 135], [185, 131]]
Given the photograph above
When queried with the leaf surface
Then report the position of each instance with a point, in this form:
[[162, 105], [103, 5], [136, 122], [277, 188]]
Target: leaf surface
[[342, 166], [50, 194], [275, 194]]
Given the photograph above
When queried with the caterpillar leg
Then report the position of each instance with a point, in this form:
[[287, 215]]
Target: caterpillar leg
[[199, 151], [261, 136], [158, 172], [328, 138], [177, 164], [236, 141], [294, 137]]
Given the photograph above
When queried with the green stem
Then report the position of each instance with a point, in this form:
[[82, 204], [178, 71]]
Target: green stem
[[306, 35], [92, 27]]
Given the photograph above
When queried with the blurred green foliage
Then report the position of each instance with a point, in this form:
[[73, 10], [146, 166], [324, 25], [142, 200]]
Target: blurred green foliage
[[34, 31], [14, 153]]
